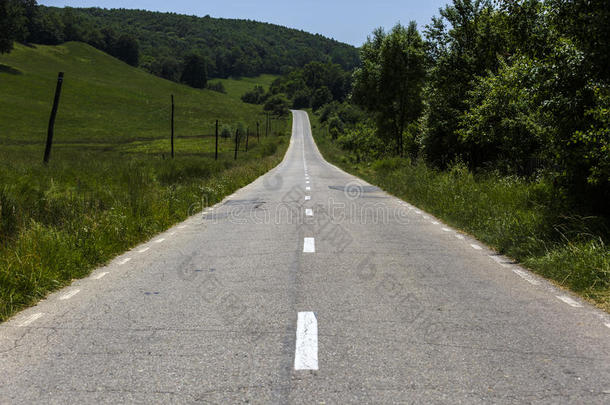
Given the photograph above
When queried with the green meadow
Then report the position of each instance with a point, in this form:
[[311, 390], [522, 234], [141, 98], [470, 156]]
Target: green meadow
[[110, 183]]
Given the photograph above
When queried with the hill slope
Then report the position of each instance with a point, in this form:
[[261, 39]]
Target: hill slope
[[96, 92], [110, 183], [232, 47]]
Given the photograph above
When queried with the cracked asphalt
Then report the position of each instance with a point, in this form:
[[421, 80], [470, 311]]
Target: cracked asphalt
[[406, 311]]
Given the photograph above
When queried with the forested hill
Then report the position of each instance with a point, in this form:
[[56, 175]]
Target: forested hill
[[231, 47]]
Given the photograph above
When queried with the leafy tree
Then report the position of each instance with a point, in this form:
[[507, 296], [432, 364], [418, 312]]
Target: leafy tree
[[169, 69], [391, 79], [504, 122], [195, 72], [301, 99], [458, 54], [12, 24], [587, 24], [277, 105], [254, 96], [321, 96], [127, 49]]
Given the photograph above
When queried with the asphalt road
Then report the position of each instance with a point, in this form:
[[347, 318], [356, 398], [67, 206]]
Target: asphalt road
[[349, 296]]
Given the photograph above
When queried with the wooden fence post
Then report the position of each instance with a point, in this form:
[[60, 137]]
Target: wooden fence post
[[236, 143], [216, 153], [172, 126], [47, 149]]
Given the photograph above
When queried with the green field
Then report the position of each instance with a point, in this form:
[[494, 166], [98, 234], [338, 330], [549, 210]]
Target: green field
[[110, 183], [237, 87]]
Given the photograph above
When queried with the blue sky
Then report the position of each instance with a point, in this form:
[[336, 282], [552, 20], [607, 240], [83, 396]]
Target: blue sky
[[344, 20]]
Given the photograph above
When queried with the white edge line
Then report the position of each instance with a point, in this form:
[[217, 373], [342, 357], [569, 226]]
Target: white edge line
[[607, 324], [69, 294], [526, 277], [499, 260], [124, 261], [476, 247], [460, 237], [31, 319], [143, 249], [100, 276], [306, 347], [569, 301], [446, 230], [160, 240]]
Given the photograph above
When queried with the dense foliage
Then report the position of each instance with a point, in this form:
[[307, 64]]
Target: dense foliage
[[518, 87], [390, 81], [156, 41]]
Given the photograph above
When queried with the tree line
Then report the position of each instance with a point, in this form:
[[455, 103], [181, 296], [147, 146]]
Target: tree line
[[314, 85], [163, 43], [517, 87]]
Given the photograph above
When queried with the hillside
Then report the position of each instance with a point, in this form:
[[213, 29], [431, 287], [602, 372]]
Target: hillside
[[231, 47], [110, 183], [96, 90]]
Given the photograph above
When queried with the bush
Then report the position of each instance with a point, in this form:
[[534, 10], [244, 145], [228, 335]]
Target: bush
[[255, 96], [218, 87], [226, 131], [277, 105]]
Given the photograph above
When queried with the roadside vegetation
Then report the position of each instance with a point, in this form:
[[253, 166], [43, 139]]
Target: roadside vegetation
[[110, 183], [495, 120]]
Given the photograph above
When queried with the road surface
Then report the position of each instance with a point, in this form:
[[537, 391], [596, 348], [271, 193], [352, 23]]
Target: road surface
[[308, 286]]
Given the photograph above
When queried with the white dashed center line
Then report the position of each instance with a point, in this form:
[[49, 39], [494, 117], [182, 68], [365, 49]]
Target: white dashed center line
[[309, 245], [307, 197], [307, 188], [306, 348], [69, 295], [122, 262], [476, 247], [569, 301], [172, 234], [100, 276], [309, 212], [31, 319], [607, 325]]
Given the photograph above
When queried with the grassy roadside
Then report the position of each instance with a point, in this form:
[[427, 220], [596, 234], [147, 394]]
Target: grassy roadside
[[110, 183], [521, 219]]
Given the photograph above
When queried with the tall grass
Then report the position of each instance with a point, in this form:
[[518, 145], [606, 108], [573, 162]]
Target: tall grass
[[527, 220], [58, 223]]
